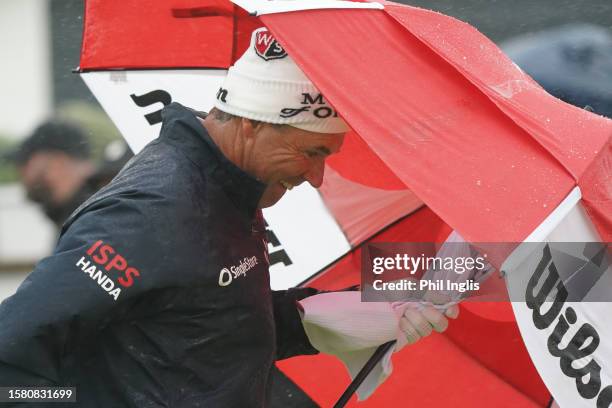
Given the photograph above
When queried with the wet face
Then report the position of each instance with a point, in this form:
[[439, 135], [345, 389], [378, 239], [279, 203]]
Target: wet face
[[284, 157]]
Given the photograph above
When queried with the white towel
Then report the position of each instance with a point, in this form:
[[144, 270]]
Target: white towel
[[338, 323]]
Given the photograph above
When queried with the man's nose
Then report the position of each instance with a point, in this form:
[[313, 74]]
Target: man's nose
[[315, 174]]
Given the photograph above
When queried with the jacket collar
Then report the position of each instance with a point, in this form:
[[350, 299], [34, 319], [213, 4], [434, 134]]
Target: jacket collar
[[181, 125]]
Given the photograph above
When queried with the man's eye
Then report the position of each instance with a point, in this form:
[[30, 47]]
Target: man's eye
[[312, 153]]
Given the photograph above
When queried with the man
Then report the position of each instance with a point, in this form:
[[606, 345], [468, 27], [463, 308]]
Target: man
[[158, 292], [54, 165], [57, 171]]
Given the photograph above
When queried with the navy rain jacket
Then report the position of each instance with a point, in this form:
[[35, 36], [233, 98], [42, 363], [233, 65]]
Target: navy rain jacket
[[157, 294]]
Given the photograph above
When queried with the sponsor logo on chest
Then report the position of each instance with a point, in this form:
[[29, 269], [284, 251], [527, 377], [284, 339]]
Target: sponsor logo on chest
[[228, 274]]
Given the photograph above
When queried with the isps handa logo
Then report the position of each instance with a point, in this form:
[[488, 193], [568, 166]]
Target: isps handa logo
[[101, 258], [227, 275]]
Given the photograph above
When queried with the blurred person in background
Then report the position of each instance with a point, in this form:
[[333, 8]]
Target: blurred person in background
[[57, 170]]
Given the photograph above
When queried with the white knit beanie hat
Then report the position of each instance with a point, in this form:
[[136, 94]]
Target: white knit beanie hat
[[266, 85]]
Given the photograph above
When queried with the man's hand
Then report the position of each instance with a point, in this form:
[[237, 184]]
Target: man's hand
[[419, 321]]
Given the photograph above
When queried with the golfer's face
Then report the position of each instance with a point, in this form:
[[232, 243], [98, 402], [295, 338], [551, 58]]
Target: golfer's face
[[293, 156]]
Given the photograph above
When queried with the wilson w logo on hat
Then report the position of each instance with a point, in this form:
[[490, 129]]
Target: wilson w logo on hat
[[267, 47]]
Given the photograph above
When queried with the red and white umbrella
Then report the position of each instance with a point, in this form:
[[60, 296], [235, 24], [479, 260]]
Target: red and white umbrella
[[447, 133]]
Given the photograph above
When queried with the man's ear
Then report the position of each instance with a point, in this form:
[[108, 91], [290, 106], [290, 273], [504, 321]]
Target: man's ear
[[249, 127]]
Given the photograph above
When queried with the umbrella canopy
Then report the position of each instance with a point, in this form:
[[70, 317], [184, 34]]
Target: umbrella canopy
[[440, 117]]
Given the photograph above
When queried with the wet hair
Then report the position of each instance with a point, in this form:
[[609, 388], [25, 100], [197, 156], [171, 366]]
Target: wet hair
[[221, 116], [224, 117]]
